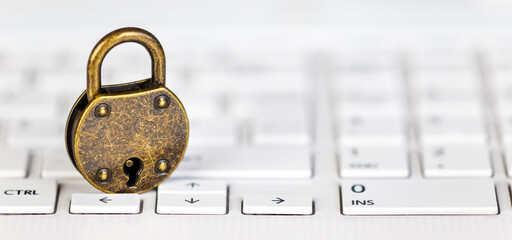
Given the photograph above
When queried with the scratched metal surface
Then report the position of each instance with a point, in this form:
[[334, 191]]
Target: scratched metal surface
[[133, 129]]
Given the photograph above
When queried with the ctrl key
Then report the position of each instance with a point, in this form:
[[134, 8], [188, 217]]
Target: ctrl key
[[27, 196]]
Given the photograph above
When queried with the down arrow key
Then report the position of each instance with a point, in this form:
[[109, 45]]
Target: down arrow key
[[192, 201], [191, 204]]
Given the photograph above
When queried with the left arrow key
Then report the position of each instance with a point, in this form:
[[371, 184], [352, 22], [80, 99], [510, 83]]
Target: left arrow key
[[92, 203], [105, 200]]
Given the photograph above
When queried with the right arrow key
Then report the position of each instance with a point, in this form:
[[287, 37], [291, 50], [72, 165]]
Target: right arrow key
[[278, 204]]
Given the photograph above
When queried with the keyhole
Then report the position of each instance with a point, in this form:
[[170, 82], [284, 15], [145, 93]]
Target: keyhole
[[132, 167]]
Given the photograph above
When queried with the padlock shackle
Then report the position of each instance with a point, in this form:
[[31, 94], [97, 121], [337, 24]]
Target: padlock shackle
[[115, 38]]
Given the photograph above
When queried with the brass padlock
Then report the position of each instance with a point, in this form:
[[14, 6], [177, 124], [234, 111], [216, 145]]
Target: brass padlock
[[127, 138]]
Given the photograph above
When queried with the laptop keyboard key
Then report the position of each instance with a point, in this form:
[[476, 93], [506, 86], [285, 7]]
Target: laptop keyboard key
[[191, 203], [270, 131], [374, 161], [105, 203], [418, 197], [278, 204], [456, 161], [245, 162], [195, 186], [24, 196], [13, 163], [56, 164]]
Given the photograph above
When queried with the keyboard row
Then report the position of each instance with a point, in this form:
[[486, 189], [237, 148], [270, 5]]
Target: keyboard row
[[356, 161], [358, 197]]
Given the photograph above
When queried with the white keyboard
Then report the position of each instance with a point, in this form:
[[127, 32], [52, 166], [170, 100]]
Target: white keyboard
[[295, 133], [269, 141]]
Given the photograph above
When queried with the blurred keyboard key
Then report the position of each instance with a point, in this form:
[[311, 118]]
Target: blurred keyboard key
[[508, 158], [442, 129], [275, 131], [266, 60], [199, 106], [13, 162], [504, 109], [372, 130], [466, 80], [377, 109], [502, 84], [14, 81], [244, 162], [37, 134], [441, 95], [382, 80], [374, 162], [257, 81], [432, 59], [505, 128], [213, 132], [450, 109], [66, 82], [464, 160], [365, 59], [281, 104], [369, 97], [22, 108], [57, 164]]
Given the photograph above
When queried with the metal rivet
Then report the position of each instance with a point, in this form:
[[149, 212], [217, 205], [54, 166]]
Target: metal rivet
[[129, 163], [102, 110], [162, 102], [162, 166], [103, 175]]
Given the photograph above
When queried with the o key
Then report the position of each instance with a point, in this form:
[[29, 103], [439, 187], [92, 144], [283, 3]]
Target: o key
[[358, 188]]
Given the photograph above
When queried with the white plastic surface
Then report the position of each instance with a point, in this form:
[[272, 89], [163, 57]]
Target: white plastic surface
[[195, 186], [372, 130], [278, 204], [465, 160], [27, 196], [444, 129], [374, 162], [242, 162], [56, 164], [401, 197], [270, 131], [213, 132], [14, 163], [91, 203], [168, 203]]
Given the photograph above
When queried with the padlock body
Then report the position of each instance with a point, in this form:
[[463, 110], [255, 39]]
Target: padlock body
[[135, 128]]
